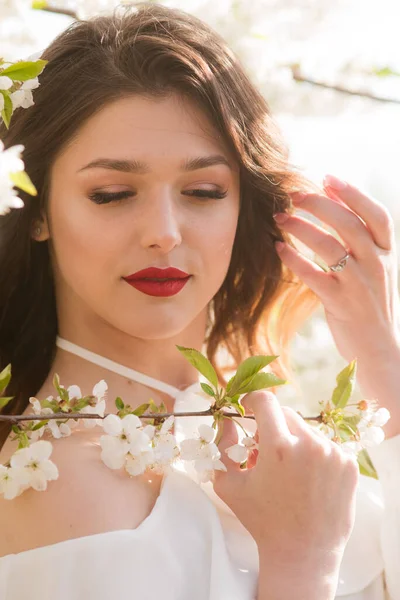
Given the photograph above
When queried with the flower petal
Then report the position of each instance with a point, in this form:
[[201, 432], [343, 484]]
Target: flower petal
[[74, 391], [100, 389], [237, 453], [190, 449], [207, 433], [41, 450], [49, 469], [130, 423], [112, 460], [112, 425], [381, 417], [136, 465]]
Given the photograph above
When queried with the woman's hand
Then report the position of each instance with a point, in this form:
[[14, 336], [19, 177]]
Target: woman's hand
[[361, 302], [298, 500]]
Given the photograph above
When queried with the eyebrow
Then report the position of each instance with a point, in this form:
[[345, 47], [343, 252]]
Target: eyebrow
[[141, 168]]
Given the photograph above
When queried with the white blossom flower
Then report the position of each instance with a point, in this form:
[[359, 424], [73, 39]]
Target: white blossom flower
[[100, 393], [34, 436], [371, 436], [125, 443], [380, 417], [5, 82], [57, 430], [23, 97], [204, 452], [370, 426], [240, 452], [30, 84], [34, 461], [12, 482], [165, 448], [352, 447], [10, 162], [137, 464], [113, 452]]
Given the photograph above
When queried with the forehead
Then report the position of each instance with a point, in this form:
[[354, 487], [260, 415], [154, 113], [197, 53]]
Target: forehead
[[145, 126]]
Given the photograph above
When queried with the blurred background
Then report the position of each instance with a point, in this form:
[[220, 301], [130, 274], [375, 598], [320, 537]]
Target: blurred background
[[330, 72]]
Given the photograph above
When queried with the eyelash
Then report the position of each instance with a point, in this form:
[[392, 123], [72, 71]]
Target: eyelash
[[107, 198]]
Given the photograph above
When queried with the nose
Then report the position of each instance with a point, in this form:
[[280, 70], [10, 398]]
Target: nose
[[159, 224]]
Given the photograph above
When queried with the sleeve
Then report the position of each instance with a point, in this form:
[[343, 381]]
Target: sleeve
[[386, 459]]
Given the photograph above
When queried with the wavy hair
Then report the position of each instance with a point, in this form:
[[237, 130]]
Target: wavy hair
[[148, 49]]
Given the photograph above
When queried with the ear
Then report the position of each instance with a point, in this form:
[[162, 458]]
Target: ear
[[40, 231]]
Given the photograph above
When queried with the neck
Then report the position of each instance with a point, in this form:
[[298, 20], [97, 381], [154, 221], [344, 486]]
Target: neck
[[159, 359]]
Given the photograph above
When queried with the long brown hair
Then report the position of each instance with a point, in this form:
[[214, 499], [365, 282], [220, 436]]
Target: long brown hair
[[151, 50]]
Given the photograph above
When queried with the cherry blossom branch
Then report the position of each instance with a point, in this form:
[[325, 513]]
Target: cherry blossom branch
[[60, 11], [295, 68], [14, 419], [297, 76]]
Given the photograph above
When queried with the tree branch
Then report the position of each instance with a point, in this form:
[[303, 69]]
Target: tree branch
[[297, 76], [60, 11], [15, 419]]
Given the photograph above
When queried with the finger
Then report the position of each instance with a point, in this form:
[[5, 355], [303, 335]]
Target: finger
[[329, 248], [253, 454], [229, 438], [376, 216], [345, 222], [300, 428], [271, 423], [308, 271]]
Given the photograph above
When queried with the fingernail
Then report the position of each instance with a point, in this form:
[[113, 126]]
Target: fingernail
[[334, 182], [281, 217], [298, 196]]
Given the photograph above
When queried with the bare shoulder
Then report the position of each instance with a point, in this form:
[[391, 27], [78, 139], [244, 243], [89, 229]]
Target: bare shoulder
[[86, 499]]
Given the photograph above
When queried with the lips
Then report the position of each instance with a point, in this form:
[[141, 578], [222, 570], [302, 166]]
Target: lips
[[155, 273]]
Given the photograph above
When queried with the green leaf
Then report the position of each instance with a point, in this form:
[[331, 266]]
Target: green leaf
[[56, 381], [39, 425], [153, 406], [233, 398], [245, 372], [119, 403], [385, 72], [365, 465], [39, 4], [352, 421], [82, 403], [5, 401], [22, 181], [239, 408], [208, 389], [201, 363], [345, 380], [229, 384], [140, 410], [24, 70], [62, 392], [5, 378], [7, 111], [23, 440], [345, 433], [261, 381], [53, 404]]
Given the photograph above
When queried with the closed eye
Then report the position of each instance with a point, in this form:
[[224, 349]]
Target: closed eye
[[107, 197]]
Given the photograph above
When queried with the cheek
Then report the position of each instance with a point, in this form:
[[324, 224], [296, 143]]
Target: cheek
[[217, 239], [82, 243]]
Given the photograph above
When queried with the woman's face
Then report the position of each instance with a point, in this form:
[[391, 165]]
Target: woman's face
[[158, 219]]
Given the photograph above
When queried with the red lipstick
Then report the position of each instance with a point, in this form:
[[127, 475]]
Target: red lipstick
[[158, 282]]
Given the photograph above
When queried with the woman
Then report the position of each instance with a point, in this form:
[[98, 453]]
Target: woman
[[151, 148]]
